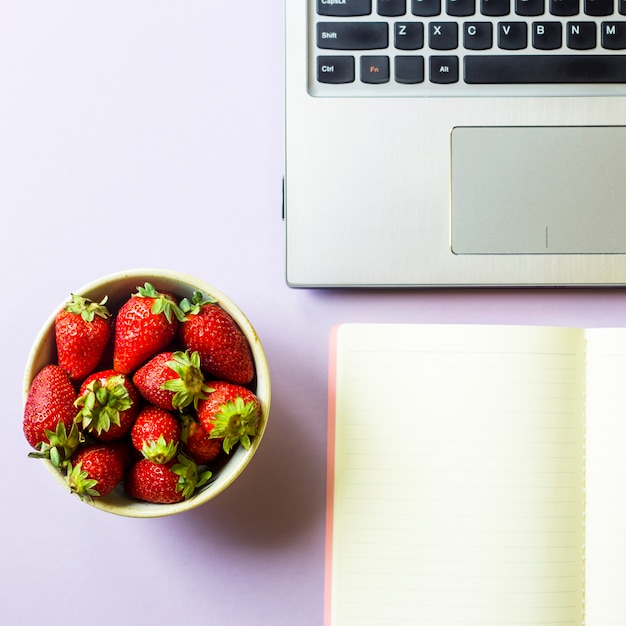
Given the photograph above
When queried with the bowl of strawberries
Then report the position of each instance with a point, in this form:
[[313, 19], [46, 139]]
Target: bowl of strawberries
[[146, 393]]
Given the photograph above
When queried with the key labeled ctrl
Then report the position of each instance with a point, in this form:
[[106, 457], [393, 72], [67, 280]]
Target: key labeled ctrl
[[335, 69]]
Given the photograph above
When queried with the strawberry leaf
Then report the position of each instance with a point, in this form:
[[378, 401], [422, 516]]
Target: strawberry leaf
[[188, 479], [80, 483], [198, 300], [236, 422], [88, 309], [101, 404], [189, 387], [159, 451], [163, 303], [60, 446]]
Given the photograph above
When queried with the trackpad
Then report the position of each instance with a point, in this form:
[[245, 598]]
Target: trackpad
[[538, 190]]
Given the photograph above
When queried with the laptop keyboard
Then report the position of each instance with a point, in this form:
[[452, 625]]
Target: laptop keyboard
[[467, 47]]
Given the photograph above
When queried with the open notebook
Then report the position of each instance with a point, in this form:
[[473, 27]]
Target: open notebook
[[476, 475]]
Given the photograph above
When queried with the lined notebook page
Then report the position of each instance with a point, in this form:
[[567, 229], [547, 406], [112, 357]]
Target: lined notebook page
[[606, 478], [455, 476]]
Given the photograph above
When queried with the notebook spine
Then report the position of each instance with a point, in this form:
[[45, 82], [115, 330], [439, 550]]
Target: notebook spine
[[584, 496]]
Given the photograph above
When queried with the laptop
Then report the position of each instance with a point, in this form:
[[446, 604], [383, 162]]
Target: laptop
[[434, 143]]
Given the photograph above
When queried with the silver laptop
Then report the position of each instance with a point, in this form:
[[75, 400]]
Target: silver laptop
[[455, 142]]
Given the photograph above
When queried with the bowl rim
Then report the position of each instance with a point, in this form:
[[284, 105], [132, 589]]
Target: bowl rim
[[122, 505]]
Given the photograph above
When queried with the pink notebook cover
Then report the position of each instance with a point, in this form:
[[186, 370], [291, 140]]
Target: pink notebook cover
[[330, 473]]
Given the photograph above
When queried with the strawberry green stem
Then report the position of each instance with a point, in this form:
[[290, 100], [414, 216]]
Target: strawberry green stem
[[236, 422], [86, 308], [159, 451], [189, 479], [189, 386], [80, 483], [163, 302], [198, 300], [101, 404], [60, 446]]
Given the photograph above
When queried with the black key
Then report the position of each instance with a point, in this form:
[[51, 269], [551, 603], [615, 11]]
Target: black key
[[444, 69], [352, 35], [409, 69], [581, 35], [512, 35], [374, 69], [348, 8], [529, 8], [621, 6], [443, 35], [495, 8], [613, 35], [547, 35], [460, 8], [426, 8], [598, 8], [409, 35], [477, 35], [564, 7], [391, 8], [335, 69], [542, 69]]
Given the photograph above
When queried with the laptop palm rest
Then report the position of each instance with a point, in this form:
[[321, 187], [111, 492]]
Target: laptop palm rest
[[538, 190]]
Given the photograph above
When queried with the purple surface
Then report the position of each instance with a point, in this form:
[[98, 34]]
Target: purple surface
[[144, 134]]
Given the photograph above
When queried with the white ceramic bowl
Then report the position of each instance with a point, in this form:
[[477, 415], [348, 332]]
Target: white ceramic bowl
[[118, 287]]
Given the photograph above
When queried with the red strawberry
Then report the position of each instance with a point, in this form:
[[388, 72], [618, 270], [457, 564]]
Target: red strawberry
[[197, 444], [82, 331], [172, 380], [164, 483], [145, 325], [231, 413], [156, 434], [96, 470], [50, 400], [214, 334], [108, 403]]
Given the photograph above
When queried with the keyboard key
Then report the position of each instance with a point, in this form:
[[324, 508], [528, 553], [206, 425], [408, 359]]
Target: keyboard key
[[443, 35], [542, 69], [352, 35], [408, 35], [581, 35], [599, 8], [348, 8], [529, 8], [374, 69], [335, 69], [512, 35], [391, 8], [444, 70], [613, 35], [426, 8], [547, 35], [564, 7], [495, 8], [409, 70], [477, 35], [460, 8]]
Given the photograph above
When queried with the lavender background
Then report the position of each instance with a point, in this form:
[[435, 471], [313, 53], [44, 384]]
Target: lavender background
[[144, 133]]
